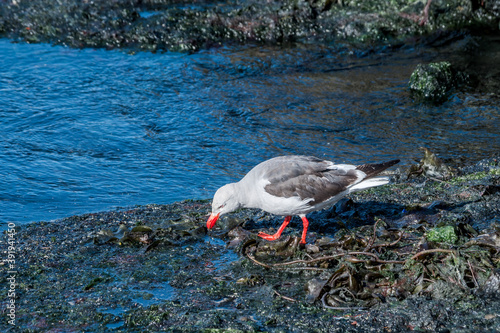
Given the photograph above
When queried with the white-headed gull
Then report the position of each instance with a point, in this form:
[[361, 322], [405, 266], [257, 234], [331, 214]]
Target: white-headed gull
[[295, 185]]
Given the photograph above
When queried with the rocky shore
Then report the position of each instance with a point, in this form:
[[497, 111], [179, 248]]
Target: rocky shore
[[420, 254], [168, 25]]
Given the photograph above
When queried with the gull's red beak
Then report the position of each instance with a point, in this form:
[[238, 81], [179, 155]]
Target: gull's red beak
[[212, 219]]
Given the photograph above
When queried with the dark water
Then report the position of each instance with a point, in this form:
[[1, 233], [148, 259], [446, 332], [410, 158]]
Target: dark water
[[90, 130]]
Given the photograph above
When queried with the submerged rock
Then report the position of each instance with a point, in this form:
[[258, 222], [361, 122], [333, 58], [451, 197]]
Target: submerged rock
[[434, 82]]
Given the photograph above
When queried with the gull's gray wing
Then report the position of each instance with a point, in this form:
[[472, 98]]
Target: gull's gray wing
[[309, 178]]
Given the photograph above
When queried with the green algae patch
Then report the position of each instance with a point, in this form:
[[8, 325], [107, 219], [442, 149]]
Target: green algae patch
[[444, 234], [434, 82], [495, 172]]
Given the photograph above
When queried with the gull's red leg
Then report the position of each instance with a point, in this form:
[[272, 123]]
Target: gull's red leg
[[305, 223], [278, 233]]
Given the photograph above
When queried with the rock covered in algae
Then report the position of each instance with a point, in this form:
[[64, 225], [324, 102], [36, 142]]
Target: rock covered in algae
[[434, 82]]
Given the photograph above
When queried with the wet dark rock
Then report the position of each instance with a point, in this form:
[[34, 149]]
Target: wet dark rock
[[343, 205], [238, 235]]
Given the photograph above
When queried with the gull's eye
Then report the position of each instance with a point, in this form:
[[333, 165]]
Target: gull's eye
[[221, 206]]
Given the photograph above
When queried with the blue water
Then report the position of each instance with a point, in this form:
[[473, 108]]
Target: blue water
[[90, 130]]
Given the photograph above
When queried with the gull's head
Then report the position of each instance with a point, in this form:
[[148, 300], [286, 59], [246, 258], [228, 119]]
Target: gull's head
[[225, 201]]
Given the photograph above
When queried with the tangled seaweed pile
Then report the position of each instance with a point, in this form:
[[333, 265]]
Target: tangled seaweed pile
[[418, 254], [359, 271]]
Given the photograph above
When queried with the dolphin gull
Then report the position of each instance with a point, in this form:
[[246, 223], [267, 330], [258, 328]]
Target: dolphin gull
[[295, 185]]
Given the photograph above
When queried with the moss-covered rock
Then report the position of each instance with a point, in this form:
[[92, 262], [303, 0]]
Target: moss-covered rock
[[434, 82]]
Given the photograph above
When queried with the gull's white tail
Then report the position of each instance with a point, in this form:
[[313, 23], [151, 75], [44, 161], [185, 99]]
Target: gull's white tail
[[370, 182]]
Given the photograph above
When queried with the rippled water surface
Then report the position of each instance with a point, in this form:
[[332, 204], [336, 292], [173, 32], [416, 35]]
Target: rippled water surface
[[89, 130]]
